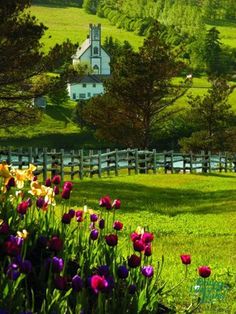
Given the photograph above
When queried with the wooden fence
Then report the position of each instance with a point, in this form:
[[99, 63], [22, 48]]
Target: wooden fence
[[99, 162]]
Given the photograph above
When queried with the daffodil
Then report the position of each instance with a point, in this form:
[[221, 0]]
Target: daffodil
[[23, 234]]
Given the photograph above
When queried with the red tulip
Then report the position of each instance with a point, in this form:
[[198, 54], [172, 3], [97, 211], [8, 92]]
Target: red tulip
[[186, 259], [204, 271]]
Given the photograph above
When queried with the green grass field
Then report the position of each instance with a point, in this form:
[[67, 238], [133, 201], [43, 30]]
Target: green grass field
[[73, 23], [190, 213]]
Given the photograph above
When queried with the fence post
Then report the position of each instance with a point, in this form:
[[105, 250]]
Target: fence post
[[128, 161], [72, 158], [204, 162], [165, 163], [62, 164], [209, 161], [226, 162], [136, 161], [116, 162], [90, 163], [81, 164], [30, 156], [108, 162], [154, 161], [20, 151], [184, 162], [99, 164], [45, 160], [191, 161], [171, 162], [9, 156]]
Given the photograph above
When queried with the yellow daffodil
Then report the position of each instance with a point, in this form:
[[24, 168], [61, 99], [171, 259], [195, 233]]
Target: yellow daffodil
[[23, 234], [139, 230]]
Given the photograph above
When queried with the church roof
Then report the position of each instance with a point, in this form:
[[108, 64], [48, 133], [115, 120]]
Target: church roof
[[90, 79], [81, 50]]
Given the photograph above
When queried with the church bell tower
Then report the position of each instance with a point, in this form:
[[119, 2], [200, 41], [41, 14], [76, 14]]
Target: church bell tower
[[95, 41]]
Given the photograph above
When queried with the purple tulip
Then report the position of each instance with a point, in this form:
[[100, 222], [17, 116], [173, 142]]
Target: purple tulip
[[122, 272], [13, 271], [26, 267], [147, 271], [101, 224], [93, 217], [77, 283], [66, 218], [48, 182], [94, 234], [60, 283], [57, 264], [103, 270]]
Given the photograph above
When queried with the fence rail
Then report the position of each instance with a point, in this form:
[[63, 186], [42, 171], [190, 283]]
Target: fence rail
[[99, 162]]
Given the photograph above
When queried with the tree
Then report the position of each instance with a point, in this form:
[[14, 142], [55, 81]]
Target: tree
[[212, 117], [212, 52], [23, 65], [138, 94]]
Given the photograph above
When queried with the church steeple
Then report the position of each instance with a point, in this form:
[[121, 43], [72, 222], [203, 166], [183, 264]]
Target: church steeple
[[95, 41]]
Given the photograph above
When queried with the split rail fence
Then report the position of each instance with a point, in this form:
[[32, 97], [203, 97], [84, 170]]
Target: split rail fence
[[83, 163]]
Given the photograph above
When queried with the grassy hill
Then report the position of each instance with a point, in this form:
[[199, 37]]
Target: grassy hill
[[56, 128], [73, 23]]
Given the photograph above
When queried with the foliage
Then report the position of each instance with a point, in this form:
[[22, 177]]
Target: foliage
[[212, 116], [137, 95], [23, 66], [72, 260]]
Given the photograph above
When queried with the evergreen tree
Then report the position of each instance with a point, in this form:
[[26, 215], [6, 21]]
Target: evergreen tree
[[23, 66], [137, 95], [212, 51], [212, 116]]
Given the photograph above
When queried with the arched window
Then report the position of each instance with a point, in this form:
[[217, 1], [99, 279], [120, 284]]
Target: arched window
[[96, 69], [95, 50]]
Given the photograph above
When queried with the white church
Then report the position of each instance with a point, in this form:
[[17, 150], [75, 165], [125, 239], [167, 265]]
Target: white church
[[93, 54]]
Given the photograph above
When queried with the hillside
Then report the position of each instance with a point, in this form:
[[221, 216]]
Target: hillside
[[73, 23]]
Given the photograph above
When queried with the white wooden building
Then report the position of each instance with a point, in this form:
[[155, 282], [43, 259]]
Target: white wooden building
[[93, 54]]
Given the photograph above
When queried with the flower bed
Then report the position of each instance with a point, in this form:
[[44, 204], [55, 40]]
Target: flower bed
[[59, 259]]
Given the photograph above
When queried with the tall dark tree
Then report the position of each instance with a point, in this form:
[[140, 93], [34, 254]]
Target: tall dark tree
[[23, 65], [212, 117], [212, 52], [141, 91]]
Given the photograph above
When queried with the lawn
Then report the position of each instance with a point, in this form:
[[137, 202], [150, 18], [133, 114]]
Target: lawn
[[188, 214], [73, 23]]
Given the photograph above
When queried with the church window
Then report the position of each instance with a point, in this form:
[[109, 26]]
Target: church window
[[96, 69], [89, 94], [95, 50], [74, 96], [84, 85], [94, 85], [82, 96]]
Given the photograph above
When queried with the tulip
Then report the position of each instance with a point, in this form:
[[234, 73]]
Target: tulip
[[56, 180], [101, 224], [40, 202], [71, 213], [66, 218], [56, 190], [77, 283], [22, 207], [111, 239], [98, 283], [116, 204], [103, 270], [147, 271], [148, 250], [57, 264], [4, 228], [48, 182], [60, 283], [94, 234], [147, 237], [93, 217], [105, 202], [204, 271], [134, 261], [65, 193], [186, 259], [138, 246], [132, 289], [68, 185], [12, 271], [55, 244], [26, 267], [122, 272], [117, 225]]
